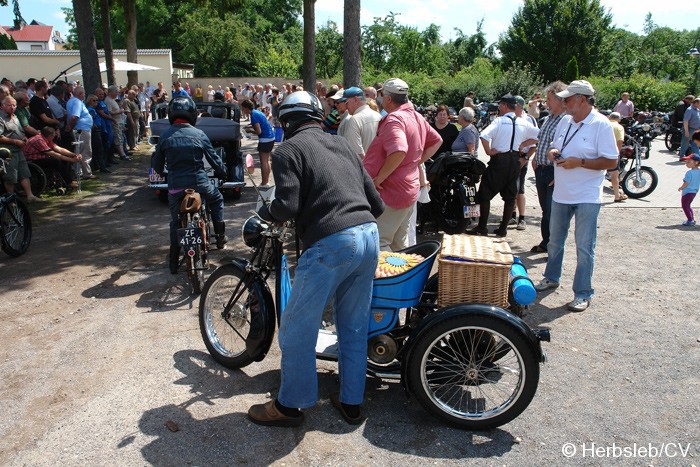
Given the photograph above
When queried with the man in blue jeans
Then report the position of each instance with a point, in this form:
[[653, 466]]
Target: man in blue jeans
[[584, 148], [322, 185], [691, 123]]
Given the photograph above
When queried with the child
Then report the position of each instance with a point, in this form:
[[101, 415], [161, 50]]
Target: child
[[691, 184]]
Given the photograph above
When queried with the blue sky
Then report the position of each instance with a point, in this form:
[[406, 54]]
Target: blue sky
[[463, 14]]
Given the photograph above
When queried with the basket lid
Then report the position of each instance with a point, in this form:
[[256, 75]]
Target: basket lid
[[476, 248]]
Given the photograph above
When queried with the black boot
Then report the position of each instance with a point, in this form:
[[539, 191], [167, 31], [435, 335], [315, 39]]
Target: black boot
[[174, 259], [220, 233]]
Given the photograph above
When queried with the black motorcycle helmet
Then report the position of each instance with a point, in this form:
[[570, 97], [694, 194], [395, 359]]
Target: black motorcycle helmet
[[182, 107], [297, 109]]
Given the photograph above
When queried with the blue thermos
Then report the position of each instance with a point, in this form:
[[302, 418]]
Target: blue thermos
[[520, 284]]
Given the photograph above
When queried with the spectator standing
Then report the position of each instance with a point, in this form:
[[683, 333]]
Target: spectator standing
[[143, 101], [107, 133], [23, 114], [80, 121], [198, 94], [447, 130], [468, 137], [583, 148], [178, 90], [333, 118], [691, 184], [55, 101], [503, 140], [13, 138], [99, 161], [322, 185], [625, 107], [133, 115], [619, 132], [31, 87], [543, 167], [362, 122], [679, 111], [520, 201], [40, 110], [533, 107], [210, 93], [691, 123], [404, 141], [118, 115], [266, 138]]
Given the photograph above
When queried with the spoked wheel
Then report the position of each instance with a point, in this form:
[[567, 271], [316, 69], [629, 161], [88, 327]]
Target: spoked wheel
[[15, 228], [37, 180], [473, 372], [225, 312], [639, 187]]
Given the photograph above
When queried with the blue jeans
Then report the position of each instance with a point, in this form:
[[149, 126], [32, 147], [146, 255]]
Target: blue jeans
[[585, 233], [687, 142], [340, 266], [544, 176]]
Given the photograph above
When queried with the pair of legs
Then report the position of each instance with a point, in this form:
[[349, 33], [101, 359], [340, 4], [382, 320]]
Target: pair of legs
[[85, 149], [340, 267], [501, 176], [17, 170], [686, 200], [585, 233], [393, 227], [265, 151], [544, 182], [687, 142], [520, 198]]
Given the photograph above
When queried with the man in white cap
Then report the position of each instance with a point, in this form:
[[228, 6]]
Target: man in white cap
[[360, 126], [582, 150], [404, 141]]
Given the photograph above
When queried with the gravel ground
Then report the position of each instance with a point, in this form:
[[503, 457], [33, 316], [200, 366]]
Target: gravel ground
[[101, 348]]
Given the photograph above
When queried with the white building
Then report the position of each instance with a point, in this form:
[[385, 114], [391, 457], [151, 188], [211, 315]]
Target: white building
[[31, 36]]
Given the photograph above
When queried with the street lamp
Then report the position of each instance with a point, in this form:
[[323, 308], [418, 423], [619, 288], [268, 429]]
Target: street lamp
[[694, 53]]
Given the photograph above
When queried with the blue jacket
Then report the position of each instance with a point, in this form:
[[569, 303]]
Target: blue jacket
[[184, 148]]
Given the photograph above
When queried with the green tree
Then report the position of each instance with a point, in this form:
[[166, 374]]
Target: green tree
[[329, 61], [465, 49], [544, 34], [7, 43], [378, 41], [571, 72]]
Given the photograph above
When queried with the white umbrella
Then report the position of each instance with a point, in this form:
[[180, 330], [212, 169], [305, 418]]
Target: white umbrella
[[120, 66]]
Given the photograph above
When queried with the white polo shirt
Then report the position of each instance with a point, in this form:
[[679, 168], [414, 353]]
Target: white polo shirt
[[360, 128], [500, 132], [592, 138]]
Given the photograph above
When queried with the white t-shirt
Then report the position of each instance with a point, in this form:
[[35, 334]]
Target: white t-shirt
[[592, 138], [360, 128], [500, 132]]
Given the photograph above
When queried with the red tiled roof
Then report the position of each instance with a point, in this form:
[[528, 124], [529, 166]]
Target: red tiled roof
[[30, 33]]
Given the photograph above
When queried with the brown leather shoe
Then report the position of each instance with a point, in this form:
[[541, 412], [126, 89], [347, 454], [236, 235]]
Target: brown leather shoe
[[335, 400], [268, 415]]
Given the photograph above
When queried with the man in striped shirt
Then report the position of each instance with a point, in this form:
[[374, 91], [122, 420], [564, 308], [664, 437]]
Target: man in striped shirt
[[543, 167]]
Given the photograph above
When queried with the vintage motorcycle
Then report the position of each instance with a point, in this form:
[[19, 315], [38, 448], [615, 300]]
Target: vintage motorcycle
[[471, 365], [637, 180], [453, 178], [15, 222]]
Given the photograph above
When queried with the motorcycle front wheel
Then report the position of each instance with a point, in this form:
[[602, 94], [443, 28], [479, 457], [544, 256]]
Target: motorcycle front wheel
[[639, 187], [15, 228], [672, 141], [225, 332], [473, 372]]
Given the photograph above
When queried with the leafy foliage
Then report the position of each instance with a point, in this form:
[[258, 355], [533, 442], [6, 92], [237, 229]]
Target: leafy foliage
[[328, 41], [646, 92], [571, 72], [7, 43]]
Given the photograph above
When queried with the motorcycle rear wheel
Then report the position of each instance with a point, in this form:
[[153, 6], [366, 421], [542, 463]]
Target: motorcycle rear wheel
[[225, 333], [473, 372], [15, 228], [195, 270], [451, 215], [640, 187], [672, 141]]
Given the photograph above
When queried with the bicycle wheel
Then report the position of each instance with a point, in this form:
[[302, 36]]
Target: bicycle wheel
[[226, 332], [473, 372], [15, 228], [37, 179]]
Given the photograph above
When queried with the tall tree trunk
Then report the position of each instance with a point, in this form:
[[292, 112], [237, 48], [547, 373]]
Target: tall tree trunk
[[89, 61], [131, 48], [352, 61], [107, 38], [309, 63]]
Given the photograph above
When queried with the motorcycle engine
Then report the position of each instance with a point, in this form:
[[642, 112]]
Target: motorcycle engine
[[382, 349]]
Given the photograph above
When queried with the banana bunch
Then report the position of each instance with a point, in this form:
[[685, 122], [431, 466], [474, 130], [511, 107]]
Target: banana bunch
[[393, 264]]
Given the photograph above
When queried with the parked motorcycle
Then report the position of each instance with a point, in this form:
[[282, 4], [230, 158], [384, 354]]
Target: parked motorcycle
[[637, 180], [472, 365], [672, 138], [15, 222], [453, 178]]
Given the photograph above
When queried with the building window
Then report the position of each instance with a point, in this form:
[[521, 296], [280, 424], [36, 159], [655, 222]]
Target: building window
[[36, 47]]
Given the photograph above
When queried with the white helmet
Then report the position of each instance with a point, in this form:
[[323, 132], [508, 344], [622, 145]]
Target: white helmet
[[297, 109]]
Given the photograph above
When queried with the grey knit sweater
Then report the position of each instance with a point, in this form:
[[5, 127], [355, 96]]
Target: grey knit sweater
[[321, 183]]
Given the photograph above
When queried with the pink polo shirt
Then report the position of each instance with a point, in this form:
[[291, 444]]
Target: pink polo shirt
[[405, 130]]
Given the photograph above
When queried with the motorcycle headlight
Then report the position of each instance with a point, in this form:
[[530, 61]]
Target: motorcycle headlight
[[646, 127], [251, 231]]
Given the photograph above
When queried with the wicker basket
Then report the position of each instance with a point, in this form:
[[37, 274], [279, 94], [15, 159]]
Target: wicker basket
[[474, 269]]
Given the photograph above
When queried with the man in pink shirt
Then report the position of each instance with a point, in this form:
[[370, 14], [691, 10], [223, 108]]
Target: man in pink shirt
[[404, 141]]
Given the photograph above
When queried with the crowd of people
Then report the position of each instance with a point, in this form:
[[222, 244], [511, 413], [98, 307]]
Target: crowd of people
[[68, 131]]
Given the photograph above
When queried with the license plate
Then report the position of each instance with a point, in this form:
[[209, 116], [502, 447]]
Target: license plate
[[155, 177], [472, 210], [190, 237]]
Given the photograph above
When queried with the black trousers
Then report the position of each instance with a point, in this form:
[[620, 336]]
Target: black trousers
[[501, 176]]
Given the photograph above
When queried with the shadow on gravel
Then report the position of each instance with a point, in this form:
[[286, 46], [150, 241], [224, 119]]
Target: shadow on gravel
[[678, 227], [395, 422]]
